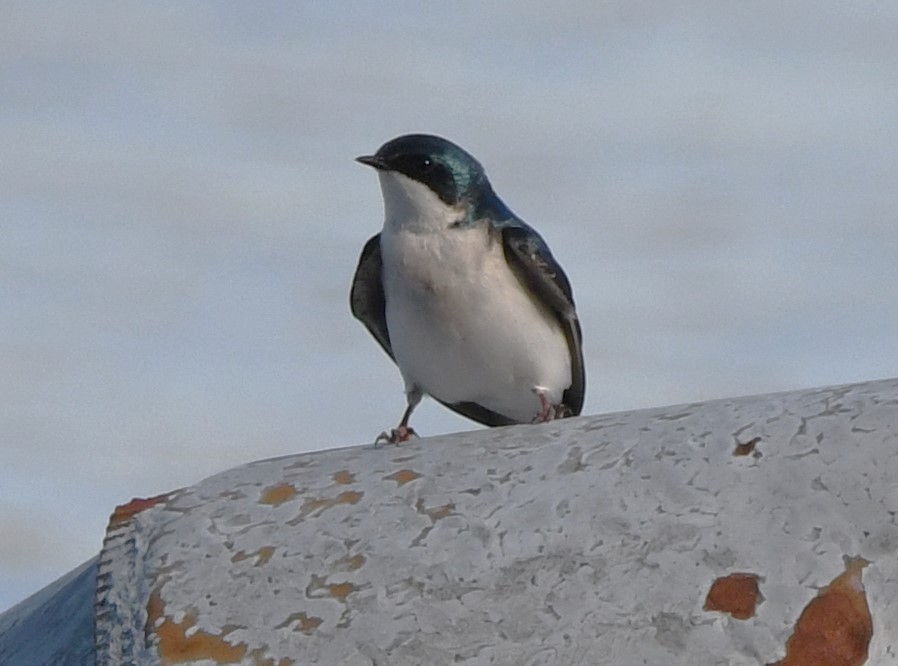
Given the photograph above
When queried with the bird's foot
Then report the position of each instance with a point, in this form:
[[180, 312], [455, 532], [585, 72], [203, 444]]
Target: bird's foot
[[546, 408], [548, 411], [396, 436]]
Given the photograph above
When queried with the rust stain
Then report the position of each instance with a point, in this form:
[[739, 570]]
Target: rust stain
[[441, 512], [403, 476], [352, 563], [277, 494], [736, 594], [437, 513], [349, 497], [311, 505], [307, 623], [263, 554], [155, 608], [835, 628], [340, 590], [319, 588], [176, 647], [259, 659], [304, 623], [343, 477], [124, 512], [743, 449], [316, 505]]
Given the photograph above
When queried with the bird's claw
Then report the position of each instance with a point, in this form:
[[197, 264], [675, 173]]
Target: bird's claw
[[548, 411], [395, 436]]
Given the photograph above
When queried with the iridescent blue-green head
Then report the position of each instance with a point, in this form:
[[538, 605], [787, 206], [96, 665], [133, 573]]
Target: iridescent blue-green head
[[447, 170]]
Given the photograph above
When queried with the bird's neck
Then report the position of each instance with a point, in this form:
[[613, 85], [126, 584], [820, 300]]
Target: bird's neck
[[412, 207]]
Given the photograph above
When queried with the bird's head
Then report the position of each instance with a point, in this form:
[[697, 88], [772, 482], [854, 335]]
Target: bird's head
[[423, 175]]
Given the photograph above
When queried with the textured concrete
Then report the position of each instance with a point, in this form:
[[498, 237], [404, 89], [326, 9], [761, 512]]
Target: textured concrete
[[587, 541]]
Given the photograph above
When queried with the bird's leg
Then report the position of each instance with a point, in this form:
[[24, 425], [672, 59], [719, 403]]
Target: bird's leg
[[548, 411], [546, 408], [403, 432]]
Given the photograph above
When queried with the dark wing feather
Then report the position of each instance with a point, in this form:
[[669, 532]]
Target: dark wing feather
[[366, 298], [479, 413], [534, 265]]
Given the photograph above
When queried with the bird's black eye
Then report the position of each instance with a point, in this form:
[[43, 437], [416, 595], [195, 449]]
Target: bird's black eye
[[431, 172]]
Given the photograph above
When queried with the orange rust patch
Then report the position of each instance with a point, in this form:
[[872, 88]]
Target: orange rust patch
[[308, 624], [155, 608], [263, 554], [259, 659], [124, 512], [340, 590], [736, 594], [403, 476], [176, 647], [304, 623], [319, 588], [277, 494], [835, 628], [343, 477], [747, 447], [349, 497], [313, 505], [353, 563]]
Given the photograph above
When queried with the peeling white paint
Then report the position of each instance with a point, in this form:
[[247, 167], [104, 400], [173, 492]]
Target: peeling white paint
[[584, 541], [591, 540]]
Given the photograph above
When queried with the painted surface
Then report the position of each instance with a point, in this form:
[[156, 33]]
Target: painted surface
[[748, 531], [588, 541], [55, 626]]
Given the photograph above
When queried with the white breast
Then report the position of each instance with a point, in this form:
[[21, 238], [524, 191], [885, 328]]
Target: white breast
[[461, 325]]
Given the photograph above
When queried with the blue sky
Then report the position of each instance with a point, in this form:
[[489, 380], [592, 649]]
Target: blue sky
[[182, 215]]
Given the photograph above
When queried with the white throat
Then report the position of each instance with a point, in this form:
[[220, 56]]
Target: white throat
[[414, 207]]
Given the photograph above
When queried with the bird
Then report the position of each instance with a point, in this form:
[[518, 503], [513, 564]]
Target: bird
[[463, 295]]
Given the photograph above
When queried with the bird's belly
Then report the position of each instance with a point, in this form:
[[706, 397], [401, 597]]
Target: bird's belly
[[463, 329]]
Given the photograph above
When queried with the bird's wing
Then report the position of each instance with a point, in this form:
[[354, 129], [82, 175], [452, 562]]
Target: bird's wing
[[366, 298], [479, 413], [536, 268]]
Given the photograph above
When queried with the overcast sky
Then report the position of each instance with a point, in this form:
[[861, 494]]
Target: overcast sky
[[181, 217]]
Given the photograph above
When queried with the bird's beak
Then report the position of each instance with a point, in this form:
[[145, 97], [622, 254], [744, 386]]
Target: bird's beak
[[373, 161]]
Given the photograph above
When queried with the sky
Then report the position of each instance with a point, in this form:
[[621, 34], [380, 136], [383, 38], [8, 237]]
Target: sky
[[181, 215]]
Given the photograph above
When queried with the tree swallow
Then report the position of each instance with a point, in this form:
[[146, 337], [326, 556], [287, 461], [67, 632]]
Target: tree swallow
[[463, 295]]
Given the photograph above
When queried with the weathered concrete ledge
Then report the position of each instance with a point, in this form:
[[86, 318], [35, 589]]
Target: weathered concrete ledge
[[714, 533]]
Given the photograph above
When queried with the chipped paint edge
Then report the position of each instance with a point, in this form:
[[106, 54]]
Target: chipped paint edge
[[121, 593]]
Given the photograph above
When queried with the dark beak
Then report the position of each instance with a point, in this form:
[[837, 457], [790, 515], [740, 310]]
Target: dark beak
[[373, 161]]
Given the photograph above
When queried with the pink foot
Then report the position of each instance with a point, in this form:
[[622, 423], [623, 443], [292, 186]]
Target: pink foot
[[546, 409], [396, 436]]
